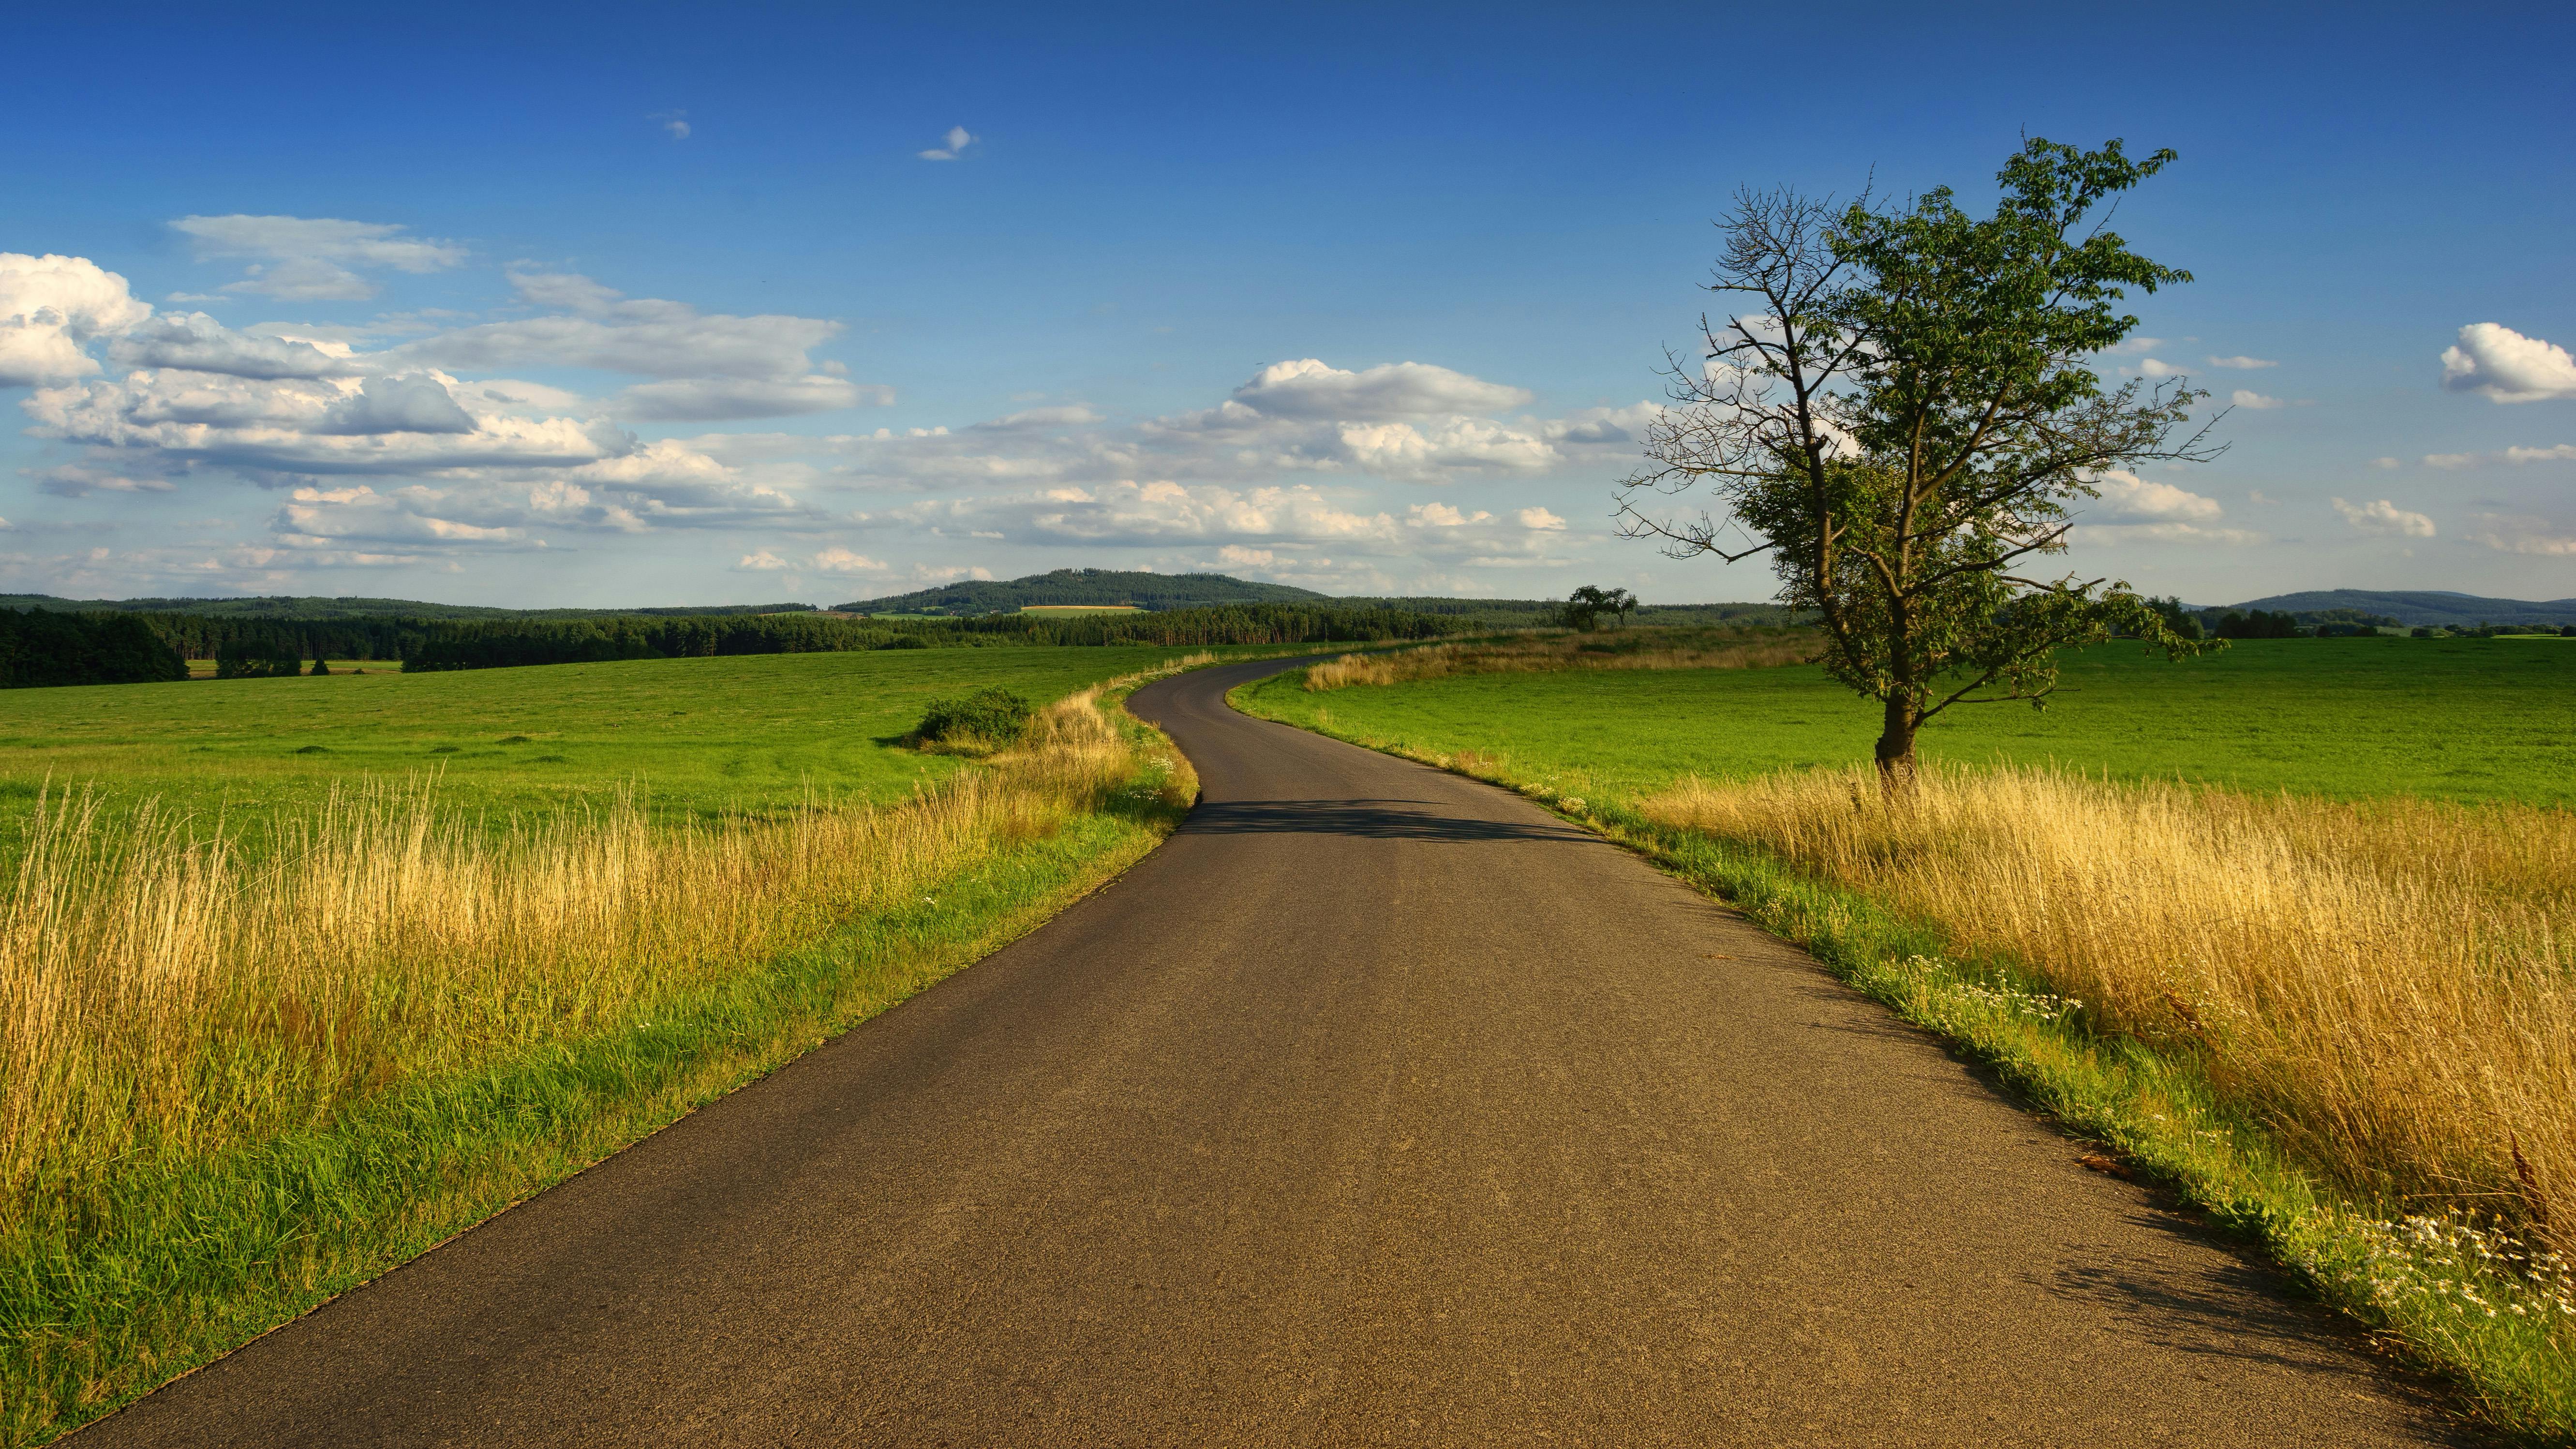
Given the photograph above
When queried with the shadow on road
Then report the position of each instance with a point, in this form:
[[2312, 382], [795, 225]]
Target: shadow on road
[[1366, 819]]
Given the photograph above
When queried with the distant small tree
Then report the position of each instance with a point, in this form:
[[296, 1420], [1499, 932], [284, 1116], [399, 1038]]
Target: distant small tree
[[1585, 606], [321, 665], [2182, 621], [1903, 416]]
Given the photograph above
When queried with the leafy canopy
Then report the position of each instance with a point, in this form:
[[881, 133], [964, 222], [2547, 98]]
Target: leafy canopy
[[1905, 417]]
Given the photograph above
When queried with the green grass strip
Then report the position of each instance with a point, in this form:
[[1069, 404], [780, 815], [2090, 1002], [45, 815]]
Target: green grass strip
[[2430, 1291], [103, 1300]]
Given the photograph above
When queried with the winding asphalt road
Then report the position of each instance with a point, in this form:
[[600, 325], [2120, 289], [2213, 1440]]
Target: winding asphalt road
[[1377, 1107]]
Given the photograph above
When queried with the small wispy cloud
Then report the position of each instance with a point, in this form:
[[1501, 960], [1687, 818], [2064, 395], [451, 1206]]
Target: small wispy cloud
[[2384, 518], [2248, 398], [956, 142], [2241, 363], [674, 122]]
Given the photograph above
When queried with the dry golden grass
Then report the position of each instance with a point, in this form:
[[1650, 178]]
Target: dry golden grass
[[164, 994], [1547, 653], [2391, 984]]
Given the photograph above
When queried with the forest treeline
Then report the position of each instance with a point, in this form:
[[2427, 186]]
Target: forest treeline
[[39, 648], [494, 644], [51, 647]]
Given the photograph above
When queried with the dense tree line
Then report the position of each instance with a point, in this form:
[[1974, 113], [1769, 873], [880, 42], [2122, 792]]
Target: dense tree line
[[492, 644], [41, 648]]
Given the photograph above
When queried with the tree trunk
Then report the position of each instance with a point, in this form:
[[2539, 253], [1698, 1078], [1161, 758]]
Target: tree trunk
[[1896, 747]]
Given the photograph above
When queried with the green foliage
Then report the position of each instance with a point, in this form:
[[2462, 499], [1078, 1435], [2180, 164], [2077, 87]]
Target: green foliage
[[1584, 607], [2459, 719], [1905, 419], [499, 644], [991, 716], [269, 657], [2181, 620], [2260, 624], [39, 648]]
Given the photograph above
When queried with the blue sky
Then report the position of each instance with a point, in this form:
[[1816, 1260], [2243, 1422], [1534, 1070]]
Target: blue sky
[[626, 305]]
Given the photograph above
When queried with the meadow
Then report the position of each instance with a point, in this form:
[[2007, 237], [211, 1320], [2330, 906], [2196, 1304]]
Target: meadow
[[692, 739], [284, 1003], [2290, 929], [2349, 719]]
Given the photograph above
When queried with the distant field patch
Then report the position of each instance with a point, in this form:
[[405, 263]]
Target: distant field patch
[[696, 738], [2456, 719]]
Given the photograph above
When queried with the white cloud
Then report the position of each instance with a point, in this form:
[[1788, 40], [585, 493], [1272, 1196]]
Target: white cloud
[[2241, 364], [2561, 453], [1307, 388], [1441, 515], [411, 404], [719, 399], [196, 342], [2248, 398], [952, 144], [1540, 519], [2530, 536], [2384, 518], [2152, 367], [675, 124], [1074, 416], [311, 258], [1235, 555], [2507, 366], [711, 366], [73, 480], [763, 561], [2128, 498], [50, 306], [2136, 345]]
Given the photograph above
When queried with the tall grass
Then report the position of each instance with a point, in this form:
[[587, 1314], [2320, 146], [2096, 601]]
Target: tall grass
[[164, 993], [1545, 653], [233, 1082], [2392, 984]]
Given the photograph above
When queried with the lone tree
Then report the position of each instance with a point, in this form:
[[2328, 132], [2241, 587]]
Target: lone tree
[[1585, 606], [1902, 415]]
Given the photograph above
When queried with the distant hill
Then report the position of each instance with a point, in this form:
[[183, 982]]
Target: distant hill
[[2437, 608], [1084, 586], [284, 607]]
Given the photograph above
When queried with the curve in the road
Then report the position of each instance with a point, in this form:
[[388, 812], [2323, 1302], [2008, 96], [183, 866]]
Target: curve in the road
[[1378, 1106]]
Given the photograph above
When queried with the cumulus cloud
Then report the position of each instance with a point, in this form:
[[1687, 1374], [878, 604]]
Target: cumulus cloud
[[2241, 363], [2384, 518], [951, 145], [2128, 498], [2142, 510], [413, 404], [2248, 398], [2507, 366], [1540, 519], [196, 342], [49, 307], [314, 258], [2154, 367], [1235, 555], [675, 124], [711, 366], [1308, 388]]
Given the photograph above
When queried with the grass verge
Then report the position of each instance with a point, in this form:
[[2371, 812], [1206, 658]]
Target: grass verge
[[300, 1112], [2474, 1298]]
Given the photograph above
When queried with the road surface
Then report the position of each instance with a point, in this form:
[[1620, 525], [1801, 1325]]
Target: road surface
[[1377, 1107]]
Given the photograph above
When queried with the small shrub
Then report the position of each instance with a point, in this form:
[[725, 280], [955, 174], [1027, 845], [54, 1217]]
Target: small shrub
[[991, 717]]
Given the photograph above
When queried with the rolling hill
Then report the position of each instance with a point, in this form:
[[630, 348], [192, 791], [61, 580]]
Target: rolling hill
[[2437, 608], [1085, 586]]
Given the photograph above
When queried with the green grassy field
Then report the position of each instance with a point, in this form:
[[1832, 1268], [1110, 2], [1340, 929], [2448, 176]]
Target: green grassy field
[[2467, 719], [700, 736]]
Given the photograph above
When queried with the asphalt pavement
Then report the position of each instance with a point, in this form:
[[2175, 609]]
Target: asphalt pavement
[[1378, 1106]]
